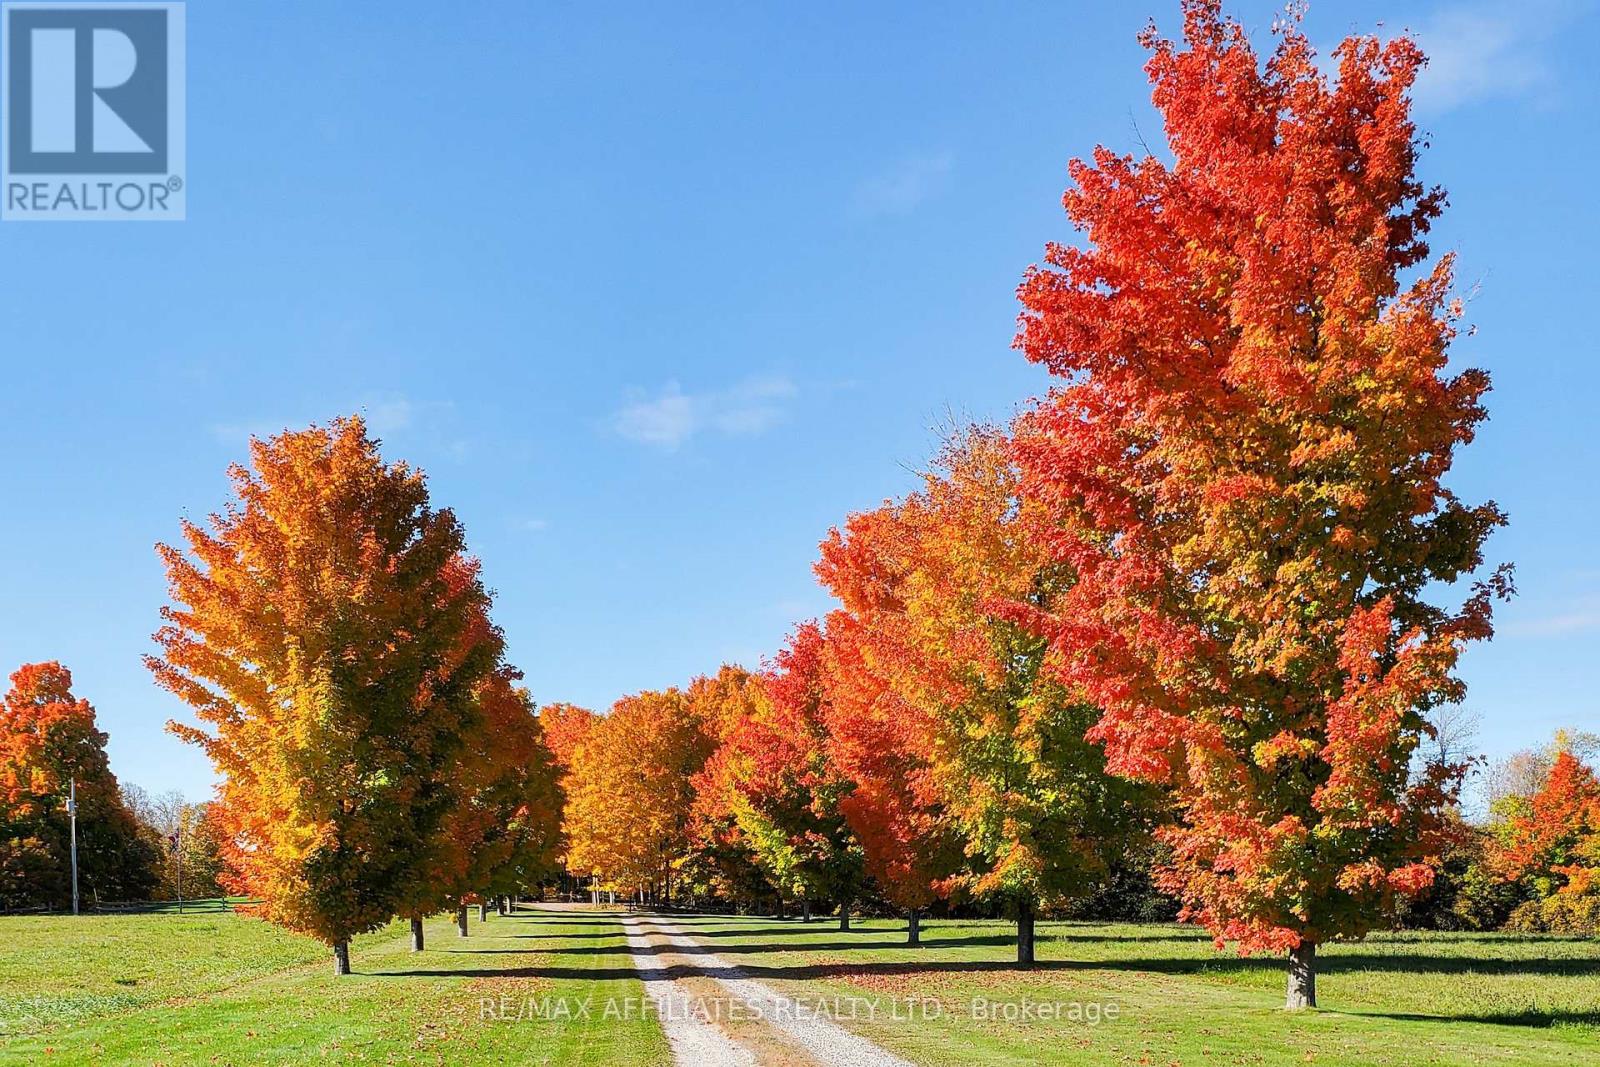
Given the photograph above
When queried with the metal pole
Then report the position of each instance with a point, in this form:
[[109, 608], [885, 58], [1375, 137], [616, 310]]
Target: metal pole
[[72, 813]]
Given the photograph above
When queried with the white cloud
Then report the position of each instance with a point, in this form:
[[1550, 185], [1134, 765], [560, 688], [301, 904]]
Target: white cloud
[[1484, 52], [1577, 619], [388, 415], [672, 417], [535, 525], [900, 189]]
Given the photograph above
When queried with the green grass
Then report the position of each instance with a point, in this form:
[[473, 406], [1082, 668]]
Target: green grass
[[1396, 998], [215, 988]]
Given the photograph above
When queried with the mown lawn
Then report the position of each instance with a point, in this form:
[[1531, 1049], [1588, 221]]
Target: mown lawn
[[215, 988], [1396, 998]]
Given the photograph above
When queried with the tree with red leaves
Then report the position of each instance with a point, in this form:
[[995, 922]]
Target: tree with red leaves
[[882, 745], [771, 778], [48, 739], [1244, 473], [722, 860], [941, 710], [564, 726], [1553, 840]]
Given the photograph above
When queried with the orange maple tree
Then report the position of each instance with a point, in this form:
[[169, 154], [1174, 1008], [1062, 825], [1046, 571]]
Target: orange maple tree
[[943, 713], [722, 858], [883, 745], [564, 727], [629, 794], [772, 788], [1244, 471], [505, 833], [331, 635], [1554, 841], [48, 740]]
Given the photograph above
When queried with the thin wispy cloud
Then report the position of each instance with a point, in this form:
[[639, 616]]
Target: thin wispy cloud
[[1485, 52], [535, 525], [1479, 51], [672, 417], [1575, 619], [902, 188], [388, 415]]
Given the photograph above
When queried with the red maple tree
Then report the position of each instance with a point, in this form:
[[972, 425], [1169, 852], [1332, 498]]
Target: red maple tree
[[1244, 471]]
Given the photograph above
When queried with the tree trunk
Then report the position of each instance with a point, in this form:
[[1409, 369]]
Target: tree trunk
[[1025, 932], [844, 915], [805, 909], [780, 911], [1302, 977], [483, 909], [914, 927], [461, 920], [341, 957], [416, 934]]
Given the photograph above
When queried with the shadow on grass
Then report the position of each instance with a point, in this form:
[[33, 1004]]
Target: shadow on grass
[[1530, 1018], [889, 968], [757, 948]]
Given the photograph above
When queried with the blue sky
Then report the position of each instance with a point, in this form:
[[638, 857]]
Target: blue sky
[[656, 297]]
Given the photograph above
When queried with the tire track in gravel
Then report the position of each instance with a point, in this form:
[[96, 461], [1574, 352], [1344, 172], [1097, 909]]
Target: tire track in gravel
[[695, 1040], [821, 1039]]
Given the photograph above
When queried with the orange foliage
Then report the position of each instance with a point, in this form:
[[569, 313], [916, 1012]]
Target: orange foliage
[[330, 631], [1243, 471]]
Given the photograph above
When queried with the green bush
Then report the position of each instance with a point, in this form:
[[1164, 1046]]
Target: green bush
[[1562, 913]]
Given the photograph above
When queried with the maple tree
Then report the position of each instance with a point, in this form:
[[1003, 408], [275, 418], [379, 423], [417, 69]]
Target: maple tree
[[771, 778], [331, 635], [1243, 470], [629, 798], [1553, 840], [505, 833], [881, 744], [563, 727], [985, 744], [721, 859], [48, 740]]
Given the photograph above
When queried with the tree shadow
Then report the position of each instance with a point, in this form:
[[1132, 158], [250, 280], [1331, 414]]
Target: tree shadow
[[1532, 1017], [1407, 963], [758, 948], [673, 972]]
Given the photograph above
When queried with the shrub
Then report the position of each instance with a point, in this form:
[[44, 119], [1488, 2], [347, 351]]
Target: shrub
[[1560, 914]]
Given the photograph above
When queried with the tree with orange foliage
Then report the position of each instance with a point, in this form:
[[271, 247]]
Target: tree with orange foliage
[[884, 746], [48, 739], [629, 792], [985, 744], [1551, 842], [772, 779], [506, 833], [564, 727], [1243, 471], [331, 632], [721, 859]]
